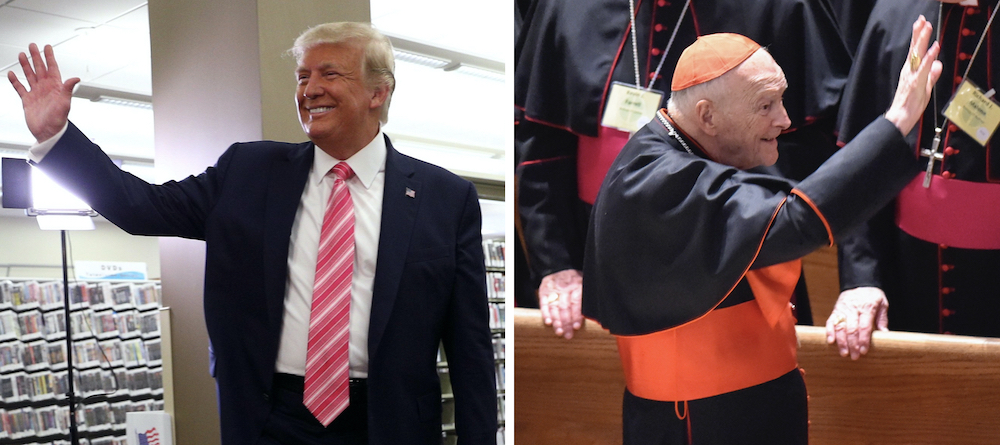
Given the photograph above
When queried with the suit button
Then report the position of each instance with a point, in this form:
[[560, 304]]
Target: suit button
[[267, 397]]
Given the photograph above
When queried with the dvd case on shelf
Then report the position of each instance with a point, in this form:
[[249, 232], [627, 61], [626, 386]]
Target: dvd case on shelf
[[127, 322], [30, 324], [54, 325], [99, 295], [34, 355], [122, 296], [50, 295], [79, 295], [24, 296], [5, 289], [57, 355], [153, 356], [11, 356], [9, 328], [81, 324]]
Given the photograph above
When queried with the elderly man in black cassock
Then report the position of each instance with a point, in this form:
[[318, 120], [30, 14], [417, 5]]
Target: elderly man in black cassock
[[570, 56], [691, 260]]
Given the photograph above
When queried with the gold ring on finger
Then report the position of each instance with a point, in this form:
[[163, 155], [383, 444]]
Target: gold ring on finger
[[552, 298], [914, 61], [840, 321]]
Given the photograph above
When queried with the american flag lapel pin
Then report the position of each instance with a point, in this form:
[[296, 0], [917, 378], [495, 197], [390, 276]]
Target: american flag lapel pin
[[411, 193]]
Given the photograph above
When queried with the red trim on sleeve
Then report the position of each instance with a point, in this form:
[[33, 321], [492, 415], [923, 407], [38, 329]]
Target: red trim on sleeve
[[539, 161], [826, 224]]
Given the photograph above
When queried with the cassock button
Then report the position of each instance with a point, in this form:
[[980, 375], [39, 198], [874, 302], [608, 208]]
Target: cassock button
[[658, 27], [963, 56], [947, 175], [950, 151], [947, 267], [947, 312], [958, 80], [661, 3], [967, 32], [952, 128], [655, 51], [942, 246], [947, 290], [972, 11]]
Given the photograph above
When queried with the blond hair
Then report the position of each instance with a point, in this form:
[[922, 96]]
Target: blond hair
[[377, 63]]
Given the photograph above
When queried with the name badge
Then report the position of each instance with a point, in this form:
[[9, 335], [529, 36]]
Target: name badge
[[630, 108], [974, 112]]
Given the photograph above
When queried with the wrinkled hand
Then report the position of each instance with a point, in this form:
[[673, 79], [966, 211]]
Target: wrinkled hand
[[854, 316], [560, 299], [46, 101], [915, 85]]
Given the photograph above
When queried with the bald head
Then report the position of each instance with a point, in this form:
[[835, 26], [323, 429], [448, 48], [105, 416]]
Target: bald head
[[736, 116]]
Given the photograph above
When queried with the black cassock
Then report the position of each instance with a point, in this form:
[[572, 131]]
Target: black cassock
[[568, 53], [932, 285], [671, 240]]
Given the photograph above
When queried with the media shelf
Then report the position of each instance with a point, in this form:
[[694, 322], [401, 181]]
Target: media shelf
[[117, 361]]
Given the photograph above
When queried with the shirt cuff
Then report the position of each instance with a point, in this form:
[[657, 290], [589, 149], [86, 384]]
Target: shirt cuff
[[38, 151]]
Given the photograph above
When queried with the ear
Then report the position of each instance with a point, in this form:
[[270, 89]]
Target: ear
[[379, 95], [705, 117]]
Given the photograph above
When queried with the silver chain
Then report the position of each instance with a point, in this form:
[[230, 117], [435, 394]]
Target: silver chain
[[673, 133]]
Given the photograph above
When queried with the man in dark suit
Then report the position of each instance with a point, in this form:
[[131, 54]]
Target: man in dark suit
[[417, 276]]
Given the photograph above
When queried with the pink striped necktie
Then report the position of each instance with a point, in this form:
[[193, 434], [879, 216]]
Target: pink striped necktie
[[327, 388]]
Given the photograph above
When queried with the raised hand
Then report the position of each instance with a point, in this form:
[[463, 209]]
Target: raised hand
[[46, 101], [916, 79]]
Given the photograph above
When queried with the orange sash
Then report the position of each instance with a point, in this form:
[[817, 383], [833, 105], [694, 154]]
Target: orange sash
[[726, 350]]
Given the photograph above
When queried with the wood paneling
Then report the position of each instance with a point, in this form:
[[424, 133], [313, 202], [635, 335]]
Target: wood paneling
[[909, 389]]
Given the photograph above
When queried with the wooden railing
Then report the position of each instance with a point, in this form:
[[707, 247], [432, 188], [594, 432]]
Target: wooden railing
[[909, 389]]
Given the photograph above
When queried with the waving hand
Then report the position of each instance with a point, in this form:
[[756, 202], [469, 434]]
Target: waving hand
[[46, 101]]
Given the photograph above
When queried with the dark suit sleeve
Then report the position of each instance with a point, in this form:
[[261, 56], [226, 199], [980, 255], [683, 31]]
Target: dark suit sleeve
[[466, 337], [175, 208]]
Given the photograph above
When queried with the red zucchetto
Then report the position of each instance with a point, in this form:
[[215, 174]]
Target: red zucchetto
[[711, 56]]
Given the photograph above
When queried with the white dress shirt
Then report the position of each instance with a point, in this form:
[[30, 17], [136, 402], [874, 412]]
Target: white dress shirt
[[366, 193]]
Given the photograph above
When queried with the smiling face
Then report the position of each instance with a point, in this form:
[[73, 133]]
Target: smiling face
[[338, 108], [753, 115]]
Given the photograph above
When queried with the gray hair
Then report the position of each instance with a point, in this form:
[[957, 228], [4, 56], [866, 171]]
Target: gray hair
[[714, 90], [377, 64]]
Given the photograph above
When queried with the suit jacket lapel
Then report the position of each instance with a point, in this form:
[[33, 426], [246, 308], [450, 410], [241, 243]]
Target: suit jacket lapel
[[400, 202], [286, 181]]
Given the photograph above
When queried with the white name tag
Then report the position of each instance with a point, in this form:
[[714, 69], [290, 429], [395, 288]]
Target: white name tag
[[630, 108]]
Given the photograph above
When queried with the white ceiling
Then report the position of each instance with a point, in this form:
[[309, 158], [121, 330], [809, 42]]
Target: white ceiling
[[449, 118]]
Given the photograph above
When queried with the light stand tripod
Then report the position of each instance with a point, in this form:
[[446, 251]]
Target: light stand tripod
[[64, 220]]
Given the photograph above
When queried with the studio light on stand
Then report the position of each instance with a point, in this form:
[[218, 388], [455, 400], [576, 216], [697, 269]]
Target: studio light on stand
[[54, 208]]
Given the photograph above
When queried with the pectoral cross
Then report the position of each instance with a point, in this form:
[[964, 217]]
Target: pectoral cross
[[932, 154]]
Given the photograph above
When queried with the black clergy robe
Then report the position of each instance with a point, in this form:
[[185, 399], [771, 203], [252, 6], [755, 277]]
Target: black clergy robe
[[852, 16], [936, 259], [673, 243], [567, 54]]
